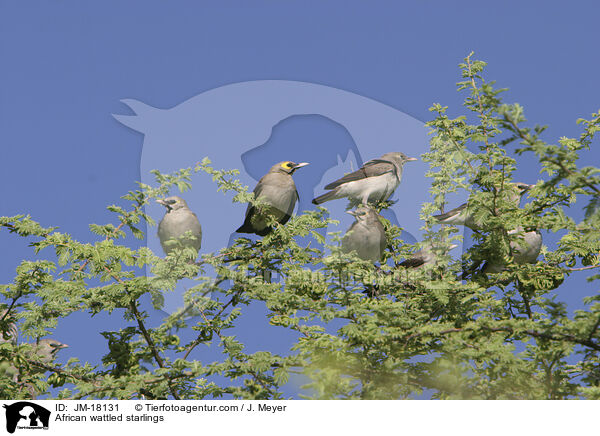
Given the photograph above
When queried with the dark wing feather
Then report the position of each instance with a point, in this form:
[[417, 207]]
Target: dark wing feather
[[450, 213], [372, 168], [247, 226], [413, 262], [250, 208]]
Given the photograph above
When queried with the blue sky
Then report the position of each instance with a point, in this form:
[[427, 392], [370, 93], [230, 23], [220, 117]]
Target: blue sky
[[66, 66]]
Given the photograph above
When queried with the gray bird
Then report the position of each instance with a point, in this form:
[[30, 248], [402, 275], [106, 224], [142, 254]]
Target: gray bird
[[180, 227], [525, 249], [366, 235], [375, 181], [423, 257], [46, 350], [463, 215], [277, 191]]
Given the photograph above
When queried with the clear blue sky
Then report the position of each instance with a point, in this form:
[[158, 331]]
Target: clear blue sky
[[66, 66]]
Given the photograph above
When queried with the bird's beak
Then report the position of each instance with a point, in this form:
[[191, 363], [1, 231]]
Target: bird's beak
[[351, 212], [452, 246], [161, 201], [410, 159], [61, 346], [300, 165]]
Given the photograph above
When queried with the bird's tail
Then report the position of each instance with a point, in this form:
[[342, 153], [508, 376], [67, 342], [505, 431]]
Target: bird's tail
[[248, 228], [331, 195], [245, 228]]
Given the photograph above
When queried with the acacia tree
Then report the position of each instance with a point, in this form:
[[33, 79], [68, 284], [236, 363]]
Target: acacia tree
[[361, 330]]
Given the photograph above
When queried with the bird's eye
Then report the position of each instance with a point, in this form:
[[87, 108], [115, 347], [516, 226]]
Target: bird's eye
[[171, 201], [288, 165]]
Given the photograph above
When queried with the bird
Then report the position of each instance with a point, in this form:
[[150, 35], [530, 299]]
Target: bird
[[459, 216], [277, 191], [375, 181], [464, 216], [43, 351], [366, 236], [423, 257], [524, 249], [46, 350], [179, 228]]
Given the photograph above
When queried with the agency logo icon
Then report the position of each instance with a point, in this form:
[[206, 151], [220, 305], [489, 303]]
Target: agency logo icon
[[252, 125], [26, 415]]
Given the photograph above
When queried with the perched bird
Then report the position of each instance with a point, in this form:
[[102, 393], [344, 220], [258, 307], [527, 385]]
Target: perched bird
[[525, 249], [366, 235], [278, 191], [175, 225], [46, 350], [463, 215], [375, 181], [459, 216], [425, 256]]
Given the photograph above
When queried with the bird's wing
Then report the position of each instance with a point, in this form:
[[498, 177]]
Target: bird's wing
[[196, 223], [372, 168], [450, 213], [268, 189], [290, 210], [413, 262], [257, 191]]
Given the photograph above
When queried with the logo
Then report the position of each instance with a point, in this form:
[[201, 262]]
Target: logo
[[251, 125], [26, 415]]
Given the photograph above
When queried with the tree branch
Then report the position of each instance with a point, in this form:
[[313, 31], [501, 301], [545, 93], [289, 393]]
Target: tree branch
[[146, 335], [507, 329]]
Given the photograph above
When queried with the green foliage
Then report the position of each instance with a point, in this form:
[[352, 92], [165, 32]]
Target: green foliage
[[361, 330]]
